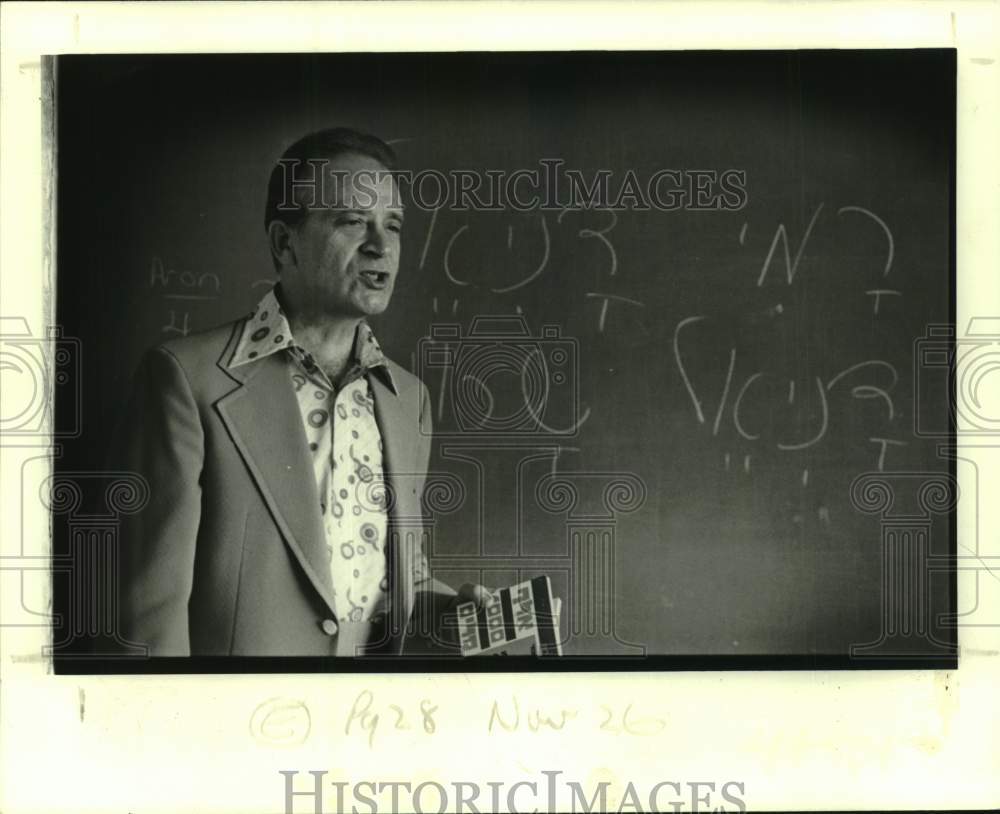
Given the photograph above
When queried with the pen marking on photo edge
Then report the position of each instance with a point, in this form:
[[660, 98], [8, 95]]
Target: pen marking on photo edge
[[282, 722]]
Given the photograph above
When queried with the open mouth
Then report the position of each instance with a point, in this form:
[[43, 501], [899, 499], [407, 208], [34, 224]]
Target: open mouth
[[375, 279]]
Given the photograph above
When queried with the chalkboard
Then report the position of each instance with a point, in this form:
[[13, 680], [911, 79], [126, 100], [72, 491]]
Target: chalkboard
[[668, 407]]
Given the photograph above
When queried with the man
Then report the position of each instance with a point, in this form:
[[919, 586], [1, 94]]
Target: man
[[285, 454]]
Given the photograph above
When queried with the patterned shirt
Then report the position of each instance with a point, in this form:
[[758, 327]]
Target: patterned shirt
[[346, 447]]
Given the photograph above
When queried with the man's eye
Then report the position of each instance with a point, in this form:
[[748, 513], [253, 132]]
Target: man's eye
[[395, 227]]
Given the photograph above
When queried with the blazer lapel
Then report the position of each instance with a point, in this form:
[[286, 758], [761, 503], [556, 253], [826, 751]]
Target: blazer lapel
[[396, 425], [264, 421]]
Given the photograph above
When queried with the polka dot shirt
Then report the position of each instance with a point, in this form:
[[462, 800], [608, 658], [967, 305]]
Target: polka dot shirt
[[346, 447]]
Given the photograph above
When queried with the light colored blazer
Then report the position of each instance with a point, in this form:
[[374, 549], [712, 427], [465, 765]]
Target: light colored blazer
[[229, 555]]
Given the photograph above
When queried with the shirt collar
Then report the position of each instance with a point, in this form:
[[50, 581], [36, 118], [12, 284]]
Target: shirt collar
[[266, 331]]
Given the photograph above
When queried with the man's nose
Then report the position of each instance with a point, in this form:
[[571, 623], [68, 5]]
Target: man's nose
[[377, 242]]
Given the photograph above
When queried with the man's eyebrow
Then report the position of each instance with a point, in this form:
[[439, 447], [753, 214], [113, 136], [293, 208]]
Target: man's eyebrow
[[398, 214]]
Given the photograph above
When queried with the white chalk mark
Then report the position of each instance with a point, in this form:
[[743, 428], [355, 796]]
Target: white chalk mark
[[558, 455], [604, 305], [805, 477], [398, 140], [484, 388], [447, 257], [445, 375], [183, 329], [791, 390], [878, 293], [606, 229], [885, 443], [680, 366], [606, 242], [736, 408], [510, 237], [427, 240], [867, 391], [823, 426], [537, 271], [434, 305], [725, 391], [885, 228], [617, 298], [565, 430], [562, 214], [600, 235], [790, 267], [725, 461], [824, 515], [859, 365], [454, 307], [517, 309], [743, 233], [544, 399], [746, 464]]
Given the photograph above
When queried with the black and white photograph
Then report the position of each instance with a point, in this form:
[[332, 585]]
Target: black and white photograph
[[621, 359]]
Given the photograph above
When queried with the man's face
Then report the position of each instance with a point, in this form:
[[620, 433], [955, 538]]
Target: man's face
[[347, 253]]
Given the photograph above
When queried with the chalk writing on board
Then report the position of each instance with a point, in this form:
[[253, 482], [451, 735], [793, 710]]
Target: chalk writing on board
[[529, 278], [178, 289], [607, 298], [791, 266], [462, 275], [760, 386], [891, 251], [751, 387], [734, 403], [542, 263], [824, 425], [877, 293]]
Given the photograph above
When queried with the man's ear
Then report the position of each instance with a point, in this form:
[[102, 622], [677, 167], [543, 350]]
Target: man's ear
[[279, 238]]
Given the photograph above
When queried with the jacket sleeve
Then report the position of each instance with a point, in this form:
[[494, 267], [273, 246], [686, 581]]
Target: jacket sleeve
[[423, 581], [433, 600], [160, 438]]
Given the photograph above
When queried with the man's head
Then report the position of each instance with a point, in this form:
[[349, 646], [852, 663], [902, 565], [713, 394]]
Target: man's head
[[333, 220]]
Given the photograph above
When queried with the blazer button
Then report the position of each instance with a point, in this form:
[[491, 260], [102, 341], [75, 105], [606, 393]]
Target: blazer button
[[329, 627]]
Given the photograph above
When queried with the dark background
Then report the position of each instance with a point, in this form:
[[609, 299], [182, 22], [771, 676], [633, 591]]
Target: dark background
[[162, 169]]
